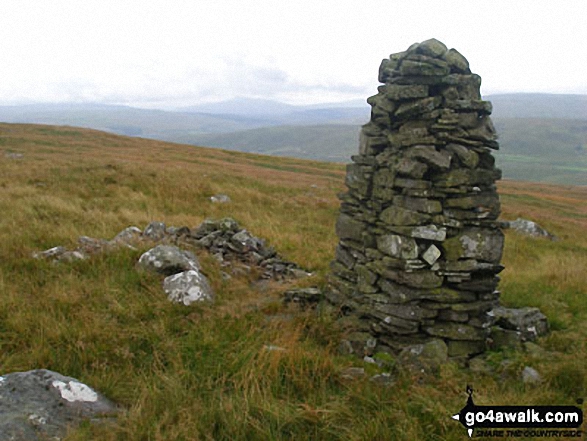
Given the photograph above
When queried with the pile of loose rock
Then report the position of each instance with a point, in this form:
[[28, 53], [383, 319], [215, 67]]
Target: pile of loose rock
[[185, 283], [420, 244], [229, 243], [41, 404]]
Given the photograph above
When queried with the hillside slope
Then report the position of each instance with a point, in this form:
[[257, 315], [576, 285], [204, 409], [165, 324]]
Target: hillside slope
[[124, 120], [211, 371], [531, 149], [543, 137], [335, 143]]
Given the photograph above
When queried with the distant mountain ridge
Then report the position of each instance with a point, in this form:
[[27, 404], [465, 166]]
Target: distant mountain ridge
[[543, 136], [257, 106], [539, 105]]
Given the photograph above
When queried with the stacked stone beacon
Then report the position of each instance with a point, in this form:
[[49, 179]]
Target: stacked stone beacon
[[420, 244]]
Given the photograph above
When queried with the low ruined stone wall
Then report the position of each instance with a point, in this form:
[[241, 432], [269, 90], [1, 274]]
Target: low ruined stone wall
[[420, 245]]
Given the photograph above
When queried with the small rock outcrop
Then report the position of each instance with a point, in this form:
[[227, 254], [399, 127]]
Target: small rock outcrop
[[420, 245], [89, 246], [42, 404]]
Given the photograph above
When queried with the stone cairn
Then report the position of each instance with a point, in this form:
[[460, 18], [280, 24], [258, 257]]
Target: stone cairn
[[420, 244]]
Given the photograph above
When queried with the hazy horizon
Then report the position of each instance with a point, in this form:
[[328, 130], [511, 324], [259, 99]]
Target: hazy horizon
[[221, 100], [163, 55]]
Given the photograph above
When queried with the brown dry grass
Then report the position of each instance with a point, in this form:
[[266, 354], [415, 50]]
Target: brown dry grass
[[202, 372]]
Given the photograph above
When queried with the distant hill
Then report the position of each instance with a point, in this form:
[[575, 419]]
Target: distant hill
[[242, 106], [543, 136], [124, 120], [541, 149], [534, 149], [175, 125], [334, 143], [539, 105], [267, 108]]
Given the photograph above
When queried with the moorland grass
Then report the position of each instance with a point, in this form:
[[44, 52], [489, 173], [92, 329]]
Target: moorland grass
[[204, 371]]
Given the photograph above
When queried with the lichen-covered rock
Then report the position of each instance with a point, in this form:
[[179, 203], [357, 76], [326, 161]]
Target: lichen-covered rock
[[426, 357], [505, 338], [349, 228], [90, 245], [41, 404], [244, 242], [531, 376], [168, 260], [482, 244], [155, 231], [531, 323], [127, 236], [228, 242], [188, 287], [529, 228], [303, 296], [51, 253], [72, 256]]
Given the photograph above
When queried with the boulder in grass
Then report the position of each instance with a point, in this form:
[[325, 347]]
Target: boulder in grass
[[530, 228], [168, 260], [188, 287], [530, 322], [89, 245], [424, 358], [220, 199], [72, 256], [127, 236], [531, 376], [41, 405], [155, 231], [51, 253]]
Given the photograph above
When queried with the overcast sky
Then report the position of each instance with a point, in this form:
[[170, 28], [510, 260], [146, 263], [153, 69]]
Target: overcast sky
[[168, 53]]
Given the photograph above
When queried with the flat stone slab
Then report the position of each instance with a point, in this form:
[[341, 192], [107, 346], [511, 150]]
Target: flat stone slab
[[42, 404]]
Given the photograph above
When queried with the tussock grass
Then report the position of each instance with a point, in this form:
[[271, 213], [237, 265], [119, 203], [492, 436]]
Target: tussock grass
[[205, 372]]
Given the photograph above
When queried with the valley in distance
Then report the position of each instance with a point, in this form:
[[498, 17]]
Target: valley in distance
[[543, 137]]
